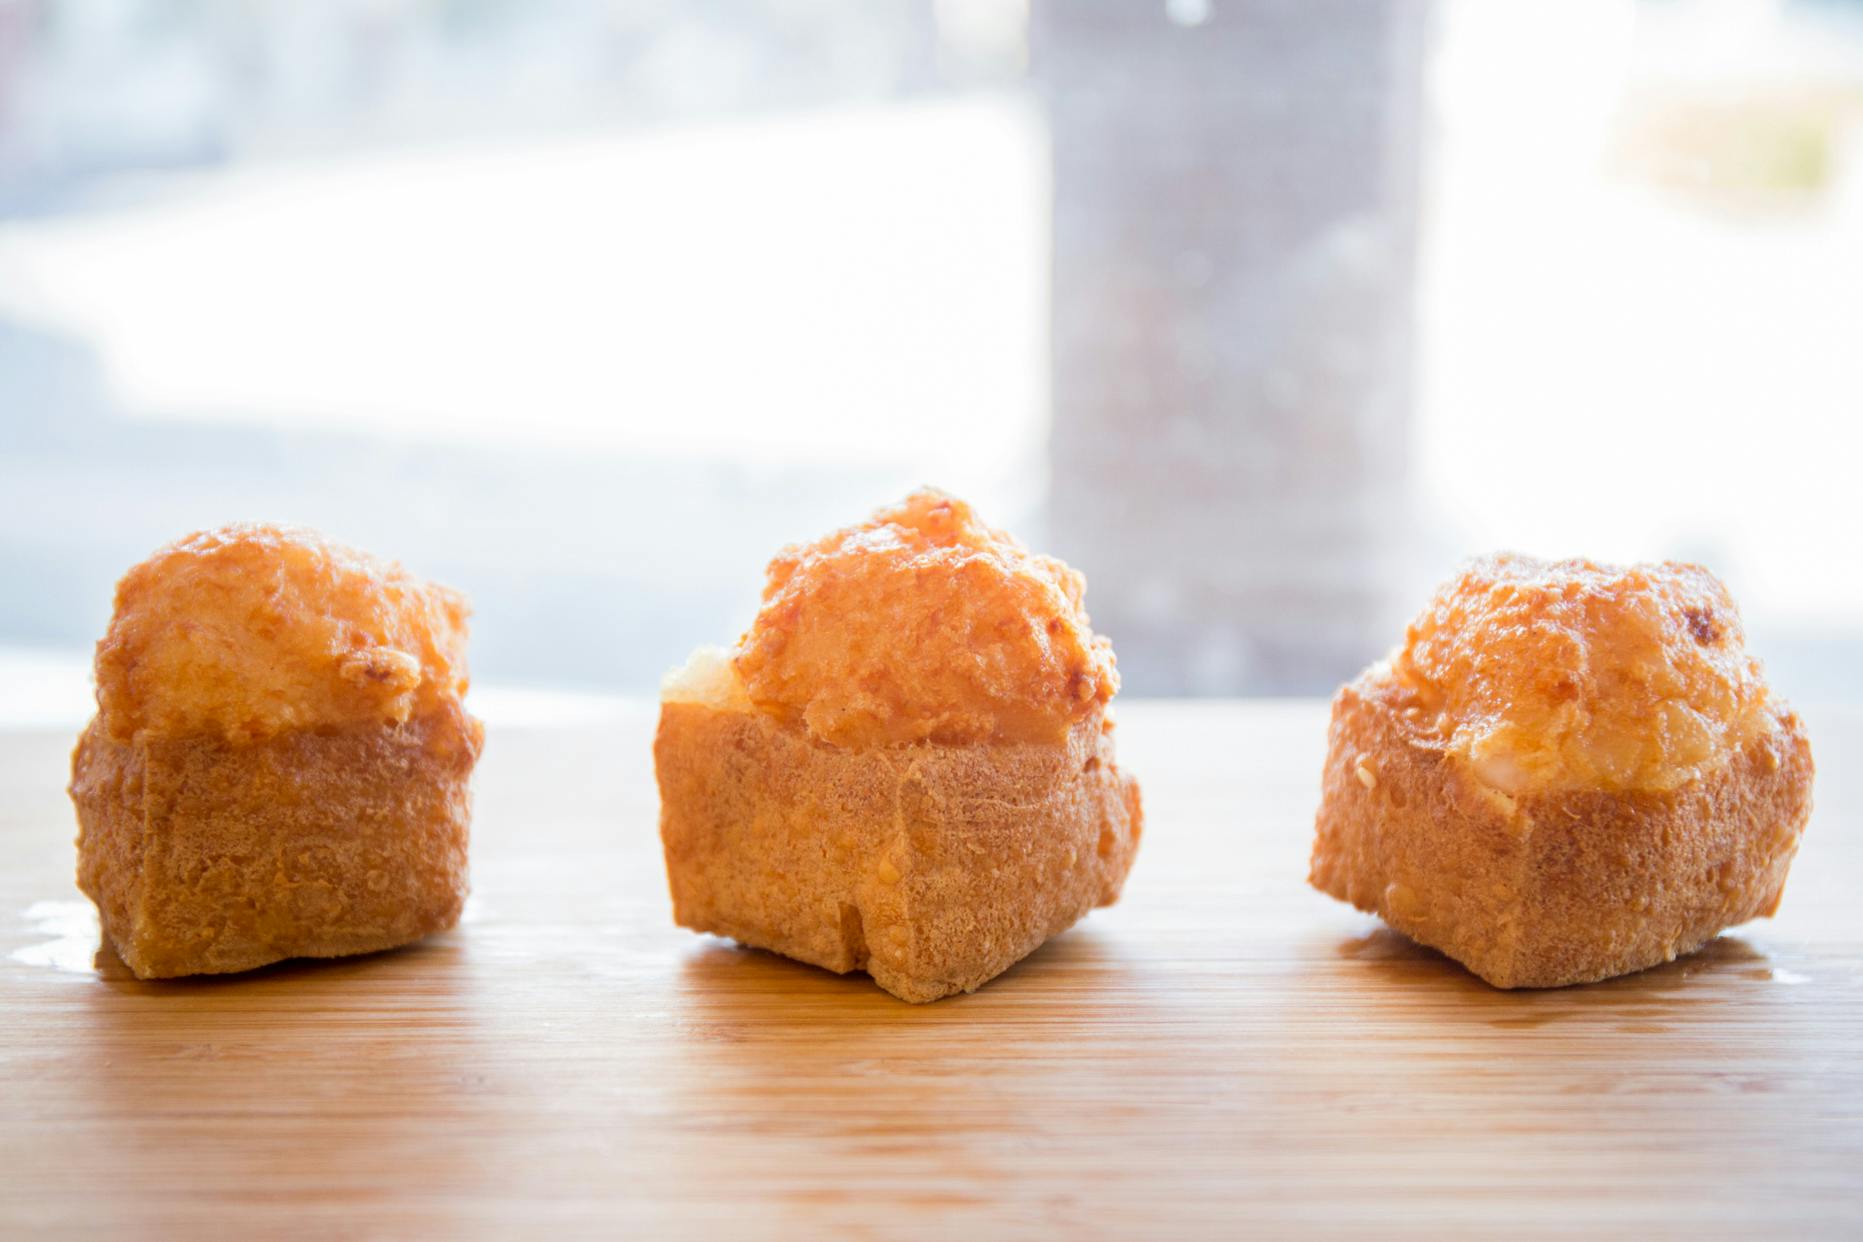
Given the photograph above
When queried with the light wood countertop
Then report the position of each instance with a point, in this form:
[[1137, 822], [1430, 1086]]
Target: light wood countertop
[[1224, 1051]]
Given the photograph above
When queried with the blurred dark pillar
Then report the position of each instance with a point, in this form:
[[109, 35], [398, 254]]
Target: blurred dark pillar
[[1235, 211]]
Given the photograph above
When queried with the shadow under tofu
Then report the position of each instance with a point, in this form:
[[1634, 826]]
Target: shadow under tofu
[[1395, 969], [725, 979], [426, 955]]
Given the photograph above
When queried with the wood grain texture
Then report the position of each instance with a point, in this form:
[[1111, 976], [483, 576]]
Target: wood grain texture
[[1223, 1051]]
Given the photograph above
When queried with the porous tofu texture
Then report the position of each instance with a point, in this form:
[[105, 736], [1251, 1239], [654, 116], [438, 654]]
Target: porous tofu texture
[[932, 868], [1556, 887], [906, 765], [280, 762], [1568, 771], [206, 856]]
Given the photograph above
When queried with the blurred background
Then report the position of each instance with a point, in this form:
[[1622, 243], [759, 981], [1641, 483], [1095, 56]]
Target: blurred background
[[1265, 313]]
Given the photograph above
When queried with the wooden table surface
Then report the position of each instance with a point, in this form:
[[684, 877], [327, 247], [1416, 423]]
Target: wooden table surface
[[1224, 1050]]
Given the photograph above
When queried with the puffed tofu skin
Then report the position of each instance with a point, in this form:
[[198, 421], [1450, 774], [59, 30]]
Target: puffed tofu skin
[[206, 856], [933, 868], [1552, 887], [279, 762]]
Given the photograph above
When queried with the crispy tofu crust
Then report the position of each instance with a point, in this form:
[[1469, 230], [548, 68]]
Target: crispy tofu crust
[[1554, 887], [206, 856], [279, 762], [934, 868]]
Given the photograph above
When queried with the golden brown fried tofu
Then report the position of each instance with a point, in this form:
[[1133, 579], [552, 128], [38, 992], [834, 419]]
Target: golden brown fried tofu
[[906, 766], [280, 759], [1568, 771]]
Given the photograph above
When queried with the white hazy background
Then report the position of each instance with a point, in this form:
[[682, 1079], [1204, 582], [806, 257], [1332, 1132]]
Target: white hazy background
[[594, 364]]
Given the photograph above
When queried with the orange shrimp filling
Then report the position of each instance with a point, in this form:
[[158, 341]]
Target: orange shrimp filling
[[1572, 674], [251, 630], [924, 625]]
